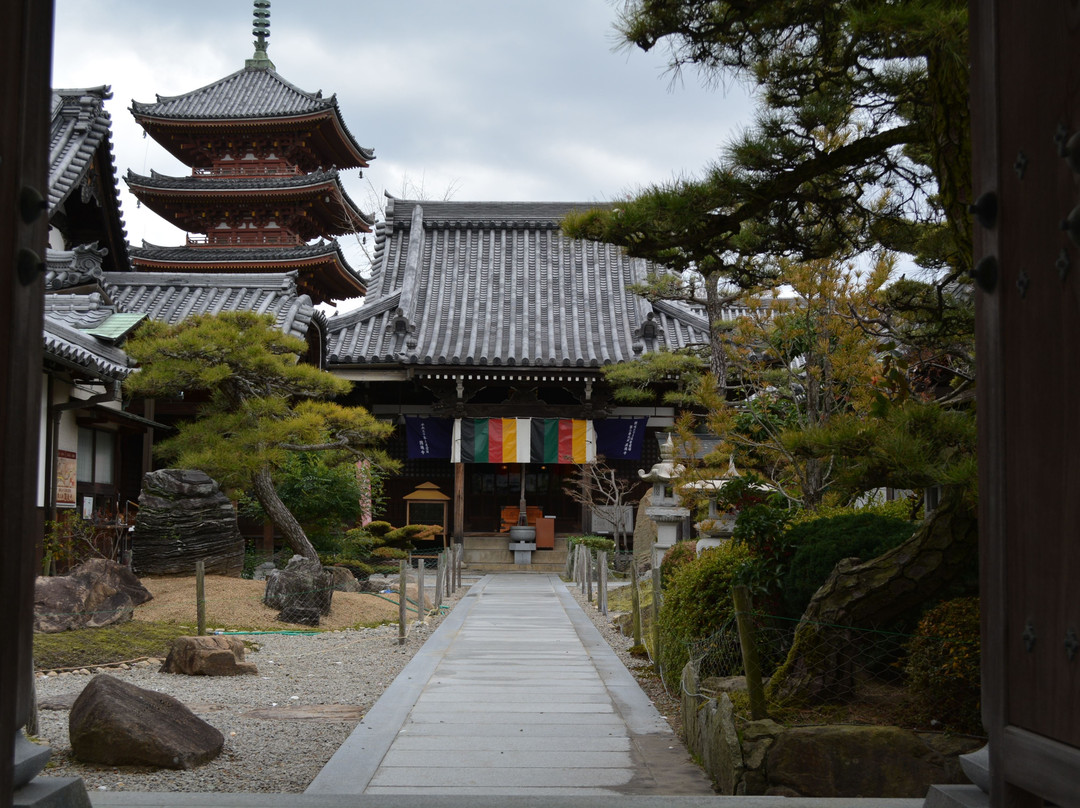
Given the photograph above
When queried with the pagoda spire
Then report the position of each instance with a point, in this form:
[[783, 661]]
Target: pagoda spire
[[261, 29]]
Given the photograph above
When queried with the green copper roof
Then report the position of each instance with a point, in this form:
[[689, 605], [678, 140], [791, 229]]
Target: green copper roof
[[116, 327]]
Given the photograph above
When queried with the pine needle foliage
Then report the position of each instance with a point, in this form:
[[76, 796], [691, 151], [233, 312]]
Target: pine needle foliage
[[263, 404]]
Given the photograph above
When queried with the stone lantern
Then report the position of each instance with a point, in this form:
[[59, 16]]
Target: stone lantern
[[666, 509], [717, 527]]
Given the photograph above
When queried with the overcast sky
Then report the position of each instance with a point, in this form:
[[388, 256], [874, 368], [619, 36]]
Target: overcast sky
[[470, 100]]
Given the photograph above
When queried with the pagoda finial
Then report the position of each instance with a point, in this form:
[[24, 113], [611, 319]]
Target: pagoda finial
[[261, 30]]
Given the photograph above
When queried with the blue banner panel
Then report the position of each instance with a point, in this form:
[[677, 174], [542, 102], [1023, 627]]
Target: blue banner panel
[[620, 438], [428, 438]]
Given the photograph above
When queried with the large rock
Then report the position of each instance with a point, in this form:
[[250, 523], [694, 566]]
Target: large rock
[[97, 593], [301, 589], [115, 723], [342, 580], [183, 518], [208, 656], [853, 761]]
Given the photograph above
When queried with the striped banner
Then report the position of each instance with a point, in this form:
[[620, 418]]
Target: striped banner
[[523, 440]]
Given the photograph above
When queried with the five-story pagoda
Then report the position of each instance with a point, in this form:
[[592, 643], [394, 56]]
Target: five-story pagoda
[[264, 192]]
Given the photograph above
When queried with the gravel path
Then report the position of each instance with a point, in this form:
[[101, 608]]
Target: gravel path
[[281, 726]]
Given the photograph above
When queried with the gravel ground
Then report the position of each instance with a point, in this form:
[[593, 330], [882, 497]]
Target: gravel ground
[[282, 726]]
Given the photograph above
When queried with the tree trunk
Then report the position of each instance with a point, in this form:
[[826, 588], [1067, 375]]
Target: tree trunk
[[820, 666], [281, 516], [714, 310]]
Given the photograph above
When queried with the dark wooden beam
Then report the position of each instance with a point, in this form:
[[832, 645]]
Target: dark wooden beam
[[26, 45]]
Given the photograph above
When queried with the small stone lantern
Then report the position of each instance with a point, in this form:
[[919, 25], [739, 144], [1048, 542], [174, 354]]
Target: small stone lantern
[[666, 509]]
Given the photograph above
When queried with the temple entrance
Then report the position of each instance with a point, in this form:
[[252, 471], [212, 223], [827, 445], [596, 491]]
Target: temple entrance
[[493, 491]]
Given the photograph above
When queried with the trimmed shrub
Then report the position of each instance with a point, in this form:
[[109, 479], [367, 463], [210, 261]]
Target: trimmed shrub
[[697, 603], [678, 556], [943, 666], [385, 553], [359, 569], [821, 543], [594, 543]]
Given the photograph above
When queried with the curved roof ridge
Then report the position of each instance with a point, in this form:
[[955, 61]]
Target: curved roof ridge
[[250, 92], [315, 99]]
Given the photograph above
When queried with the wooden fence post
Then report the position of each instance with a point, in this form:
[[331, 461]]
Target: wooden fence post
[[421, 585], [403, 602], [601, 568], [635, 602], [588, 574], [200, 596], [751, 664], [657, 600], [440, 576]]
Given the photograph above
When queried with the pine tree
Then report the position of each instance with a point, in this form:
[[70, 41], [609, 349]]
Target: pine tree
[[262, 404]]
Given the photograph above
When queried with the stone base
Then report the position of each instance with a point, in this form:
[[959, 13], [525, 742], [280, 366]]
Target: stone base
[[52, 792], [30, 759], [522, 551], [956, 797]]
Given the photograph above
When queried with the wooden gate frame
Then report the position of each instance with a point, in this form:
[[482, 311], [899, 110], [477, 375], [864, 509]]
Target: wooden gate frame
[[1026, 766]]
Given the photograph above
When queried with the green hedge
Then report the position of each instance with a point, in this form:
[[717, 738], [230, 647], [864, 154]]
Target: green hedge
[[697, 603], [821, 543], [943, 666]]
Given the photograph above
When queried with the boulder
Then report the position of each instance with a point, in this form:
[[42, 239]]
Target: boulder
[[853, 761], [183, 518], [97, 593], [115, 723], [342, 580], [262, 570], [212, 655], [303, 584], [300, 615]]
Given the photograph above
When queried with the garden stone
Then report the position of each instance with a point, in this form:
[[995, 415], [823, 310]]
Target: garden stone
[[301, 615], [208, 656], [853, 761], [342, 580], [261, 572], [183, 518], [303, 583], [116, 724], [97, 593]]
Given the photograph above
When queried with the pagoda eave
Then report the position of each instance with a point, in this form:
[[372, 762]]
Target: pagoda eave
[[323, 278], [184, 138], [320, 211]]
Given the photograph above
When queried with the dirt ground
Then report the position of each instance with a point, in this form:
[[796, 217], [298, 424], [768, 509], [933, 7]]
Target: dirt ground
[[236, 603]]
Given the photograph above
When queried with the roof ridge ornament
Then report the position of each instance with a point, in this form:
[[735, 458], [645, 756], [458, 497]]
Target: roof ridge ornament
[[260, 27]]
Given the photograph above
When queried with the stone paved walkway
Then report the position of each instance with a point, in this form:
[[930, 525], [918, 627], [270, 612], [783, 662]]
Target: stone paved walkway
[[516, 693]]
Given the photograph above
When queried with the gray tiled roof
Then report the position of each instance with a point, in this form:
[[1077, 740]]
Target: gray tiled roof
[[79, 126], [217, 186], [497, 283], [326, 274], [172, 297], [67, 268], [256, 182], [240, 255], [252, 92], [66, 343]]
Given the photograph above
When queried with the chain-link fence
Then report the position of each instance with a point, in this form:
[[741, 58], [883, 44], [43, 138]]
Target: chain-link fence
[[845, 674], [86, 624]]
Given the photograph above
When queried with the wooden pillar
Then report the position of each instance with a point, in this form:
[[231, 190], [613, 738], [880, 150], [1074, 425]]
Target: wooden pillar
[[266, 543], [459, 502], [148, 438], [25, 54]]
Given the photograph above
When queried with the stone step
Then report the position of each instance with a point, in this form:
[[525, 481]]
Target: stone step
[[511, 567], [491, 553]]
